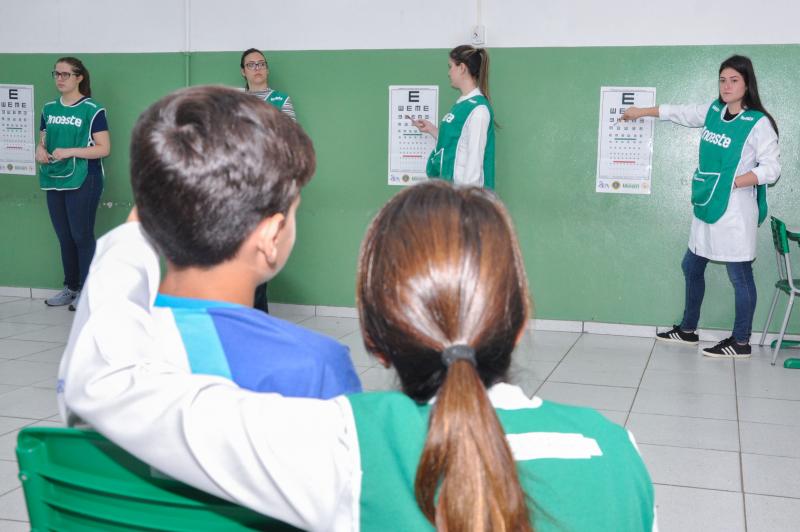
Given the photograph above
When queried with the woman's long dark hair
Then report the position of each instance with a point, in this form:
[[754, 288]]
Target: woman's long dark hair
[[752, 100], [477, 62], [440, 267], [85, 86]]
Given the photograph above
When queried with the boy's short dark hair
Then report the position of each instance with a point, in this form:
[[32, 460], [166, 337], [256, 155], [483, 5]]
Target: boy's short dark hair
[[208, 164]]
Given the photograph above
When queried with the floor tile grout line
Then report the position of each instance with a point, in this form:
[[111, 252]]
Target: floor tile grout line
[[557, 364], [690, 417], [739, 439], [26, 340], [772, 455], [571, 347], [641, 442], [695, 487], [684, 447], [3, 360], [727, 491], [787, 497], [767, 423], [10, 318], [692, 487], [12, 489]]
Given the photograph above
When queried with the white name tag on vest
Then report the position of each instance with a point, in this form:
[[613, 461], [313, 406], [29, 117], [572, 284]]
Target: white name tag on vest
[[538, 445]]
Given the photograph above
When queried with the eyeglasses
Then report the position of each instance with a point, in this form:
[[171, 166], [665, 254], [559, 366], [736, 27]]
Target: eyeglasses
[[261, 65], [63, 75]]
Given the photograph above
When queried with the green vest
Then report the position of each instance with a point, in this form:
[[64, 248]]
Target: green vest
[[67, 127], [612, 491], [721, 145], [276, 98], [441, 162]]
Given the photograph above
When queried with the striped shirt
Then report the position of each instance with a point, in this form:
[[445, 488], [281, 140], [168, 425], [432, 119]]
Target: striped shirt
[[287, 107]]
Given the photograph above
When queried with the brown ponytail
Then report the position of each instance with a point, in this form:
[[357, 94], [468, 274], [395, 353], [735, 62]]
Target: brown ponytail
[[483, 73], [85, 86], [440, 267], [467, 459]]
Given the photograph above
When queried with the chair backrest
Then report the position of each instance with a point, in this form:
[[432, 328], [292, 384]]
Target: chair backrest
[[779, 237], [78, 480]]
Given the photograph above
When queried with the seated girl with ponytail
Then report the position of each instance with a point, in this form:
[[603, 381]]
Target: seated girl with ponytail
[[443, 298]]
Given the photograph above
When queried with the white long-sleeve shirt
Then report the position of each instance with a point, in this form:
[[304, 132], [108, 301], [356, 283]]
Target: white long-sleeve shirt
[[732, 238], [468, 168]]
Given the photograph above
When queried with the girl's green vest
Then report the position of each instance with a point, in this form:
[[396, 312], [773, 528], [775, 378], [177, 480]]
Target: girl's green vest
[[721, 145], [67, 126], [611, 491], [276, 98], [441, 162]]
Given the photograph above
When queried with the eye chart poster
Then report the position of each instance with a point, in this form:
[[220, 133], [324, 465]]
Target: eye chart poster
[[408, 147], [624, 149], [17, 144]]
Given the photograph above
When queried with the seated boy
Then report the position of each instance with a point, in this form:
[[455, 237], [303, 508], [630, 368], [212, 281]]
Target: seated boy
[[216, 179]]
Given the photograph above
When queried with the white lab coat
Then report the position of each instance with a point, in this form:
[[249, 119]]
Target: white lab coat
[[468, 168], [732, 238]]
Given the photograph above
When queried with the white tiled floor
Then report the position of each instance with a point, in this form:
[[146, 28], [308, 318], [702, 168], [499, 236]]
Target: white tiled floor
[[721, 438]]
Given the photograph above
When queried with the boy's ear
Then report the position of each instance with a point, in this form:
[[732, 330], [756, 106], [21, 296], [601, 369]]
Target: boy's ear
[[267, 233], [521, 333], [383, 360]]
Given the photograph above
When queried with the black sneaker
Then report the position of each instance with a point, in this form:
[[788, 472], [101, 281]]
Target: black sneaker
[[728, 348], [678, 336]]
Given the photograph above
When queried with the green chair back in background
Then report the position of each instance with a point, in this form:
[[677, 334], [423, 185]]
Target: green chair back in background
[[781, 237], [78, 480]]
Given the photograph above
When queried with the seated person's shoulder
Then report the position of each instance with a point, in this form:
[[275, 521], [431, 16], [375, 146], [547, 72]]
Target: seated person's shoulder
[[283, 356], [259, 324], [258, 351]]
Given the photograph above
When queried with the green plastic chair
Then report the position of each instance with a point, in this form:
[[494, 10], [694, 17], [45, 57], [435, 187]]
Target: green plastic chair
[[78, 480], [786, 283]]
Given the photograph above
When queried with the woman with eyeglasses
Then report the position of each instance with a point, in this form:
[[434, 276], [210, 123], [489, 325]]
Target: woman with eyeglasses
[[73, 141], [255, 71]]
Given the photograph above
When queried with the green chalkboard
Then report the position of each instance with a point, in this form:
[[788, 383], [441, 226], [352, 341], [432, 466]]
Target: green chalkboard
[[589, 256]]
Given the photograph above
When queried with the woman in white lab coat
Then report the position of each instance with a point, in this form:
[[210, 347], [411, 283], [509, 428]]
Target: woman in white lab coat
[[464, 151], [739, 157]]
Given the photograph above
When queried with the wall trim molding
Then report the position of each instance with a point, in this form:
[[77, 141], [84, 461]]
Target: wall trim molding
[[590, 327]]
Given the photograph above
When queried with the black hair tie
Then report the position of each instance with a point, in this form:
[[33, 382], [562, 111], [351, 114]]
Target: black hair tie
[[458, 352]]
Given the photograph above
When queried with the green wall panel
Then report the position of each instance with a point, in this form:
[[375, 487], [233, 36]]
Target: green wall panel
[[589, 256]]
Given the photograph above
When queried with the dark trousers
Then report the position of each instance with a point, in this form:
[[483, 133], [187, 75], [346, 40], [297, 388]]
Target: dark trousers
[[260, 301], [73, 214], [744, 289]]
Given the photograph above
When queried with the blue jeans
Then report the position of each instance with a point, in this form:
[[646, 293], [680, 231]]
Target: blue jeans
[[744, 288], [73, 213]]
